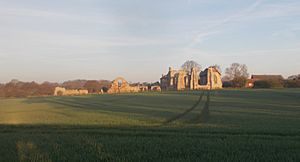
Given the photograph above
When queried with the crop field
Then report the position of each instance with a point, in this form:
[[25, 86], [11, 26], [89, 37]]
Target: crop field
[[226, 125]]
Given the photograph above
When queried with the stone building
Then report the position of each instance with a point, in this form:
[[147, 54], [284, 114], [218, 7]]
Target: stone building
[[210, 78]]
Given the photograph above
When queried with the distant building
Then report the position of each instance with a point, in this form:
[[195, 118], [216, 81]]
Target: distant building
[[210, 78], [250, 82]]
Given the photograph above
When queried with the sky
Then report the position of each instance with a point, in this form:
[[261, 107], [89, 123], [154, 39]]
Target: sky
[[59, 40]]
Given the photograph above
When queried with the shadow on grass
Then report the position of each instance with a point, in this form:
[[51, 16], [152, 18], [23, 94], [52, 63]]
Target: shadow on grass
[[125, 143], [126, 130]]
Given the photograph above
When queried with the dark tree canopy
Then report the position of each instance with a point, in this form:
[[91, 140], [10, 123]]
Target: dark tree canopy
[[188, 65], [74, 84], [24, 89], [93, 86]]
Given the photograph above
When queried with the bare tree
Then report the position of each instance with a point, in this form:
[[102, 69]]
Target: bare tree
[[237, 74], [188, 65], [236, 70]]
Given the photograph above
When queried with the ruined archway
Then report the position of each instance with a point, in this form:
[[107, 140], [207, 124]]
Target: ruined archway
[[120, 82], [120, 85], [59, 91]]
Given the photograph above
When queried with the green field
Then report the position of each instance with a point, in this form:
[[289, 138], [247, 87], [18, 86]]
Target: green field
[[226, 125]]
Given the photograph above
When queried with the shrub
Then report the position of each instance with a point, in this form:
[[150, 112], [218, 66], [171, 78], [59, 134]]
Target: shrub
[[262, 84], [272, 83], [292, 84], [239, 82], [227, 84]]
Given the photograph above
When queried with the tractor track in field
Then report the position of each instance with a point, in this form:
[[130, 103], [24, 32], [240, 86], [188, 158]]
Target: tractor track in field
[[185, 112], [204, 115]]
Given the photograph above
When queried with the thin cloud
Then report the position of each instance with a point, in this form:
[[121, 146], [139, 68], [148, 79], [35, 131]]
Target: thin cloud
[[276, 10], [45, 44], [239, 15], [55, 15], [247, 53], [200, 37]]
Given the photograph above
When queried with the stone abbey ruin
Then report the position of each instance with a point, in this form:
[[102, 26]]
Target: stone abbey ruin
[[182, 79], [192, 79]]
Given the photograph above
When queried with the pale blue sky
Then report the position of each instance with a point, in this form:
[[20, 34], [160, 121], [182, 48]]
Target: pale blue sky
[[59, 40]]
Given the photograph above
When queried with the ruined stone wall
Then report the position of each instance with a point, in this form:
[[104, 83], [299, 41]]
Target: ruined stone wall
[[60, 91], [216, 80], [181, 76], [210, 78], [83, 92]]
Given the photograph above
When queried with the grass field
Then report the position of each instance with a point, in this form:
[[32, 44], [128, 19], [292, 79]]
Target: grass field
[[226, 125]]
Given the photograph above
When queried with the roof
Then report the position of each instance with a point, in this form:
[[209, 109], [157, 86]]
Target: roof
[[266, 77]]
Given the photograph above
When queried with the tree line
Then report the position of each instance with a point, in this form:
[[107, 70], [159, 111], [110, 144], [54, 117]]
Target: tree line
[[25, 89], [17, 88]]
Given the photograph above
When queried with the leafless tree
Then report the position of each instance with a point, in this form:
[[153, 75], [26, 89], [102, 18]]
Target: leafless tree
[[236, 70], [237, 74], [188, 65]]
